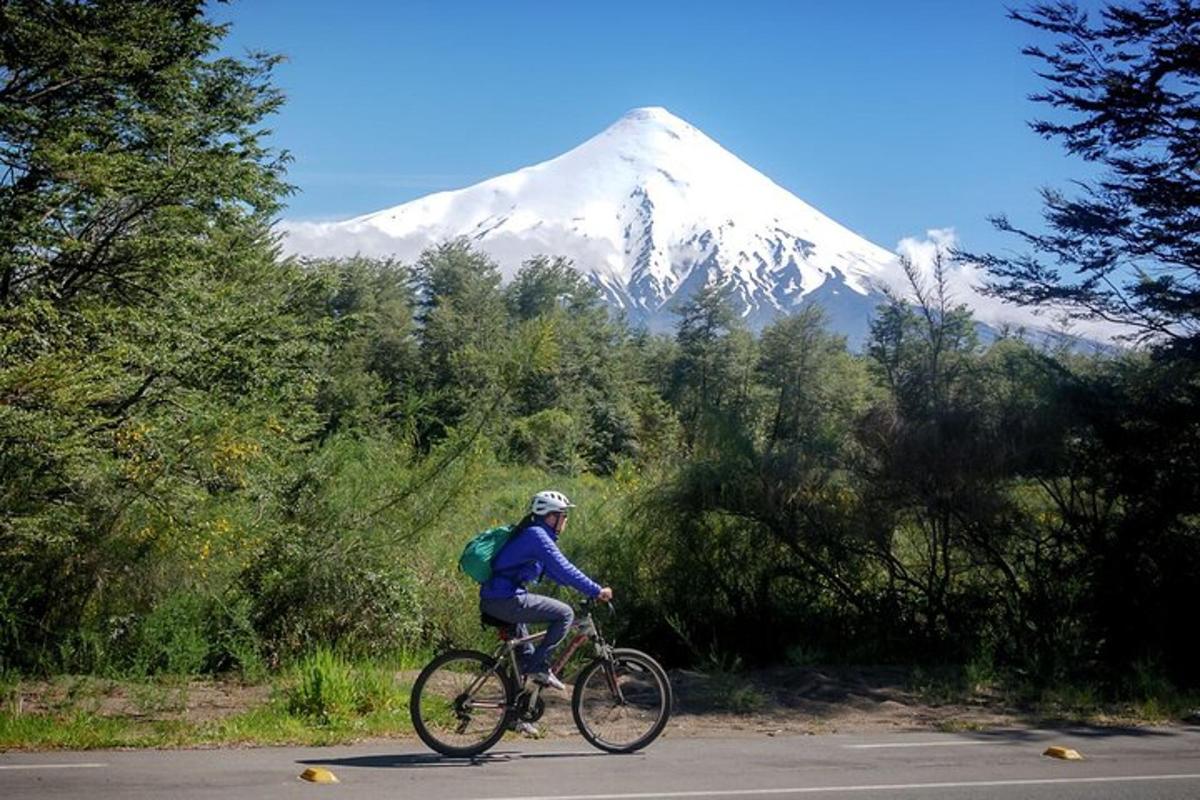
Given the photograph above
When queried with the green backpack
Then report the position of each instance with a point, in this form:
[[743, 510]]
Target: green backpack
[[476, 558]]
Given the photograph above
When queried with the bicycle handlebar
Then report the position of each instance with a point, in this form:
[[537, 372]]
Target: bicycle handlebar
[[590, 603]]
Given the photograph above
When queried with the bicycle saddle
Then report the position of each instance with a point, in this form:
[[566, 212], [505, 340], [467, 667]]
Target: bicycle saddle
[[487, 620]]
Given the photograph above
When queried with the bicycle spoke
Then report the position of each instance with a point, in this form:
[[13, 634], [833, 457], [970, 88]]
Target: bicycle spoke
[[460, 704], [623, 707]]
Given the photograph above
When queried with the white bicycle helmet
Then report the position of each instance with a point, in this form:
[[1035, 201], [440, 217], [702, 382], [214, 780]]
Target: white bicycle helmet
[[546, 502]]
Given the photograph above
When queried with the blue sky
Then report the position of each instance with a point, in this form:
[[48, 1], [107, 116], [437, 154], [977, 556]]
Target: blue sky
[[891, 117]]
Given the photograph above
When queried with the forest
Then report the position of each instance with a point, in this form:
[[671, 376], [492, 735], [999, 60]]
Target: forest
[[217, 459]]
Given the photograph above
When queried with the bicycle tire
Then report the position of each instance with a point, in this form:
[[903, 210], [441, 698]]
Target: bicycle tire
[[438, 681], [648, 674]]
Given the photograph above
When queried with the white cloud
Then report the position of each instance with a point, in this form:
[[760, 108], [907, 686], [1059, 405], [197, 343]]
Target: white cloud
[[509, 250], [965, 281], [333, 239]]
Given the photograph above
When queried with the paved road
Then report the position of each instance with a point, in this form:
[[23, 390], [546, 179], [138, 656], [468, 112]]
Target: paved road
[[1000, 765]]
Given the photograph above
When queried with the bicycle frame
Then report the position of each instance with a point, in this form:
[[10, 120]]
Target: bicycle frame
[[586, 631], [511, 645]]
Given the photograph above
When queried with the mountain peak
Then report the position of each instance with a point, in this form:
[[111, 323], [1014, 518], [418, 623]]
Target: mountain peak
[[650, 210], [650, 114], [652, 120]]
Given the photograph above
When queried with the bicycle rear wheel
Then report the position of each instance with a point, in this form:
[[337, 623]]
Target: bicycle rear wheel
[[461, 702], [623, 704]]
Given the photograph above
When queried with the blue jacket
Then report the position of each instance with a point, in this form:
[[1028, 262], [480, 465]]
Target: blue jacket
[[526, 557]]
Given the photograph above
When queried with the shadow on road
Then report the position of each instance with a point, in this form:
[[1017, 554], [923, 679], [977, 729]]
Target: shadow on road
[[420, 760], [1050, 730]]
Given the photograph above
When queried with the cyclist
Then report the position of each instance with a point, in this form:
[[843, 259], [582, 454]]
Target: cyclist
[[531, 553]]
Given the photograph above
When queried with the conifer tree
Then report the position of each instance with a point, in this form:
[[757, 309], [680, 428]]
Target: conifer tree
[[1125, 88]]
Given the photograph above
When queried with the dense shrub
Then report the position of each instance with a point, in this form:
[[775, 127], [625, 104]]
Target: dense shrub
[[215, 459]]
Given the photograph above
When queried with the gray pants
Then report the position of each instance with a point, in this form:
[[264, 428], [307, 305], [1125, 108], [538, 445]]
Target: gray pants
[[526, 608]]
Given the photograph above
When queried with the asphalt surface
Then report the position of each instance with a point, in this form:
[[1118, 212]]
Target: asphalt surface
[[1119, 763]]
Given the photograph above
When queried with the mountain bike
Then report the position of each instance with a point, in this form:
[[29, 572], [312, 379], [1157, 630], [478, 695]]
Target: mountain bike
[[464, 701]]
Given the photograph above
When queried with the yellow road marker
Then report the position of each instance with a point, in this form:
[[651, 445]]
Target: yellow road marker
[[1065, 753], [318, 775]]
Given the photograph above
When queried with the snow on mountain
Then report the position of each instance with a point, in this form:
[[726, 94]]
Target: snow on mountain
[[649, 210]]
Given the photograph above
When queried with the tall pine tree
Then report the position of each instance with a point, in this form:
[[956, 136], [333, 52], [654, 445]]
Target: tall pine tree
[[1126, 248]]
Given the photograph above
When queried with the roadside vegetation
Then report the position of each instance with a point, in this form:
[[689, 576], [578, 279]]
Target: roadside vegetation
[[323, 699], [219, 462]]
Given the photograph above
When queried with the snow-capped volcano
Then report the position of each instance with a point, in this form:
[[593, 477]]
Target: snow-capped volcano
[[650, 210]]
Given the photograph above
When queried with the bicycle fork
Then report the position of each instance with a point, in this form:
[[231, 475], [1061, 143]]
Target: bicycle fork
[[610, 674]]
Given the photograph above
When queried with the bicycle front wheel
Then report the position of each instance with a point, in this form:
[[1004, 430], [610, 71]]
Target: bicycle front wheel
[[461, 702], [622, 704]]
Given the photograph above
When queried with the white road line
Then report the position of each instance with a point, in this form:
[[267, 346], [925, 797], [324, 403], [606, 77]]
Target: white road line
[[52, 766], [864, 788], [916, 744]]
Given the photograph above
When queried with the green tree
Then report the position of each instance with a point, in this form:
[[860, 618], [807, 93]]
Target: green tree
[[369, 381], [578, 403], [155, 361], [1118, 474], [759, 523], [926, 466], [710, 376], [800, 363], [544, 285], [128, 150], [1127, 247], [463, 328]]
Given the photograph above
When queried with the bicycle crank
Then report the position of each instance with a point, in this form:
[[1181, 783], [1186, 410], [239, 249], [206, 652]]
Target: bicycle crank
[[530, 712]]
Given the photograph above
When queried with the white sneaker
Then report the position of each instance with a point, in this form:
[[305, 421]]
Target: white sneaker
[[527, 729], [548, 679]]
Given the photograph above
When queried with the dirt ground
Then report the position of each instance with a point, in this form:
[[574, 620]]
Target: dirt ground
[[801, 700], [808, 700], [196, 701]]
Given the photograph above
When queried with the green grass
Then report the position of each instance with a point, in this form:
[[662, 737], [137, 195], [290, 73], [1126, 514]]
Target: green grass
[[273, 724], [270, 725], [730, 693], [329, 691], [323, 699], [1148, 699], [1090, 704]]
